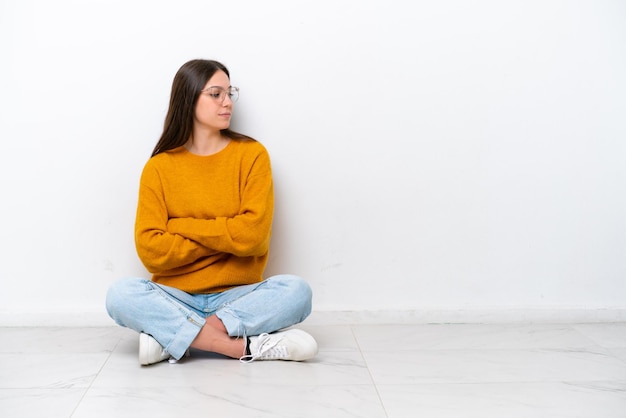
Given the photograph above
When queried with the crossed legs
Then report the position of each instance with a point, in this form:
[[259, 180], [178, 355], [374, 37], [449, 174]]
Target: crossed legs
[[215, 322]]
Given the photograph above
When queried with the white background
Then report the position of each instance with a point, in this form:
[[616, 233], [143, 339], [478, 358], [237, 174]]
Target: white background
[[427, 155]]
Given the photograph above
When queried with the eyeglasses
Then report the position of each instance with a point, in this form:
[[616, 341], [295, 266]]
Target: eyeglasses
[[219, 93]]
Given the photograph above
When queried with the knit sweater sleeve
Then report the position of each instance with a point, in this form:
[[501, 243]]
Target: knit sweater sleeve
[[245, 234], [158, 249]]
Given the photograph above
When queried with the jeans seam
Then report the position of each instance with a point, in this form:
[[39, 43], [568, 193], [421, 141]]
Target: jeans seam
[[188, 313]]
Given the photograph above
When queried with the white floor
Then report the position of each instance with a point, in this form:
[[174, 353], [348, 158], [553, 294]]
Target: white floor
[[502, 371]]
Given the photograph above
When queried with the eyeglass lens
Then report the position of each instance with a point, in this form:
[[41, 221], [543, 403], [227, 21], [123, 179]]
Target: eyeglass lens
[[219, 93]]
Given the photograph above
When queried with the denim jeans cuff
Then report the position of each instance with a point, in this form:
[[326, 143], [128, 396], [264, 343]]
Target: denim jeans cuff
[[231, 322], [185, 336]]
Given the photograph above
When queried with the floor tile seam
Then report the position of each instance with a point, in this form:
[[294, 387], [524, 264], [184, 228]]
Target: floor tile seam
[[595, 340], [369, 371], [62, 384], [89, 387]]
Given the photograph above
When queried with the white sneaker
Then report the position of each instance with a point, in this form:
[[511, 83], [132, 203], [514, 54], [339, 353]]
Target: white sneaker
[[293, 344], [150, 351]]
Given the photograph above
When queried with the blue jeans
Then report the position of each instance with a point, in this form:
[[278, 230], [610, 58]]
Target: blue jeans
[[174, 318]]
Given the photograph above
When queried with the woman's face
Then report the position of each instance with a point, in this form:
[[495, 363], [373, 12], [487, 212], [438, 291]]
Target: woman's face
[[214, 107]]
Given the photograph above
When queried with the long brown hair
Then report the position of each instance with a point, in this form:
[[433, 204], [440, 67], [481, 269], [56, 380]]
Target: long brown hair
[[188, 82]]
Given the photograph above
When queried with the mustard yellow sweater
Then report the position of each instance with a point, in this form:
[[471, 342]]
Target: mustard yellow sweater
[[204, 222]]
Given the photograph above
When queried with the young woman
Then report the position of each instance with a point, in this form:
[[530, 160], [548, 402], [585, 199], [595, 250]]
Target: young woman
[[203, 230]]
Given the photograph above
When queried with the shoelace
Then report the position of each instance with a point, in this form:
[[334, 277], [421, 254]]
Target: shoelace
[[266, 349]]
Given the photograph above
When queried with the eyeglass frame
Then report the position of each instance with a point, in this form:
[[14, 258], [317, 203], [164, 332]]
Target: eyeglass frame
[[223, 92]]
